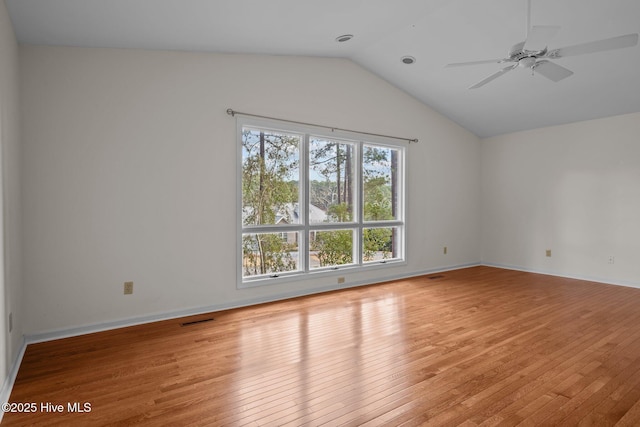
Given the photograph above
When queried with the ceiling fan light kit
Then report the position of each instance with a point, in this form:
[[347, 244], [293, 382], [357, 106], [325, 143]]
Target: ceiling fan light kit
[[533, 53], [527, 62]]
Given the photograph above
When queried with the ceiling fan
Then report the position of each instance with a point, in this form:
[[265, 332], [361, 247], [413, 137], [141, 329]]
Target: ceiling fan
[[534, 54]]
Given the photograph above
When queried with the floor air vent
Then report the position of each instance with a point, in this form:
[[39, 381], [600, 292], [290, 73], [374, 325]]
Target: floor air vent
[[195, 322]]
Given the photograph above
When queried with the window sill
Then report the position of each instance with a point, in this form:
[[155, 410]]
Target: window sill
[[325, 272]]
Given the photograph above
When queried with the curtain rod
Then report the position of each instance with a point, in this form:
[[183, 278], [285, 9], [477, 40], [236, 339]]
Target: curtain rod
[[233, 113]]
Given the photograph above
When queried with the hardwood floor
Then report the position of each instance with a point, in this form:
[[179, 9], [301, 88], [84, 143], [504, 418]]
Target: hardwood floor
[[476, 347]]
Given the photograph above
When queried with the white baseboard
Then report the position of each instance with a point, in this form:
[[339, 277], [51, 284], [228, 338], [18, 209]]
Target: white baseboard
[[625, 283], [7, 386], [105, 326]]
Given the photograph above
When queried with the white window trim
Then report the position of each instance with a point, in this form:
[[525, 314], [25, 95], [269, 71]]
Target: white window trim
[[304, 272]]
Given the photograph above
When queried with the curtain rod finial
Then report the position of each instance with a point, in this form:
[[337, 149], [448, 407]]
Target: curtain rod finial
[[231, 112]]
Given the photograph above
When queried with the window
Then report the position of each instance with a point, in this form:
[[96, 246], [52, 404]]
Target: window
[[314, 201]]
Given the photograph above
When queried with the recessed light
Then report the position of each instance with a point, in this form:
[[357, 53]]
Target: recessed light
[[344, 38], [408, 60]]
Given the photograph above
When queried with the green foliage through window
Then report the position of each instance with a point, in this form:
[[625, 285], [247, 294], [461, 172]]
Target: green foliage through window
[[333, 247]]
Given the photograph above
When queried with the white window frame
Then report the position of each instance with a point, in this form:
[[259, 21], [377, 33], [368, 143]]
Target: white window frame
[[304, 228]]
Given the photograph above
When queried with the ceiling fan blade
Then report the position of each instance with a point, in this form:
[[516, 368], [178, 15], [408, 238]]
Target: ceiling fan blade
[[486, 61], [539, 37], [628, 40], [551, 70], [493, 76]]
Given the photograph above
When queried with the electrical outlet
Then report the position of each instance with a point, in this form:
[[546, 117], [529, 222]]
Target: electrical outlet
[[548, 252], [612, 259], [444, 250], [340, 280], [128, 288]]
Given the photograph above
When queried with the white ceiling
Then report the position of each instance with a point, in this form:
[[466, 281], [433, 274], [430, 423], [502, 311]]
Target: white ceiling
[[435, 32]]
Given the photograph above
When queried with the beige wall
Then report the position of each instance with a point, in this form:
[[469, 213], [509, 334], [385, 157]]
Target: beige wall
[[574, 189], [130, 174], [10, 218]]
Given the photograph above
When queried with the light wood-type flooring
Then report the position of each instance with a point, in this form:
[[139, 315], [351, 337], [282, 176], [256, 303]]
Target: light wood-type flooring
[[474, 347]]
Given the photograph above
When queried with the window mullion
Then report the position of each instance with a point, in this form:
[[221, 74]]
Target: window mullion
[[360, 203], [272, 228], [305, 199], [388, 223]]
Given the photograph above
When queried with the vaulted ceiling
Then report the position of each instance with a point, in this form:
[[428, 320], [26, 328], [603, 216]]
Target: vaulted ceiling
[[434, 32]]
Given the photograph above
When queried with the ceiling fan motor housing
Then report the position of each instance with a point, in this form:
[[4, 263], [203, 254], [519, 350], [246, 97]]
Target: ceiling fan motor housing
[[527, 62]]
